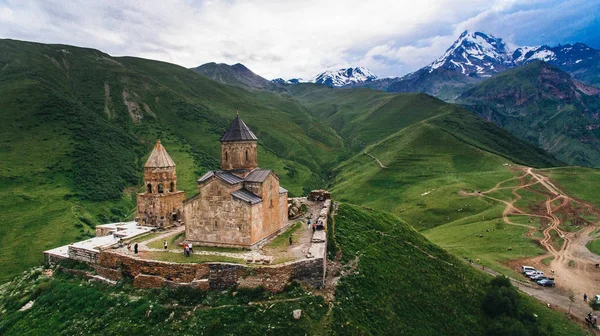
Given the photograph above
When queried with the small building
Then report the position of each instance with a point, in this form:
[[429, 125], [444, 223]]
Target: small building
[[239, 205], [160, 204]]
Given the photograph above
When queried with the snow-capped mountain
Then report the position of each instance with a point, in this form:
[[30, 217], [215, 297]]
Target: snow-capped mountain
[[344, 77], [337, 78], [475, 54], [290, 81], [570, 58]]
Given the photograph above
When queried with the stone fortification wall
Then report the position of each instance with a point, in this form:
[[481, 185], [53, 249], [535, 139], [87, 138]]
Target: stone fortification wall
[[83, 254], [53, 259], [211, 275]]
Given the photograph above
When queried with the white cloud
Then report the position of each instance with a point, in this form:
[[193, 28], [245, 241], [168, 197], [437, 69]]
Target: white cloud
[[273, 38]]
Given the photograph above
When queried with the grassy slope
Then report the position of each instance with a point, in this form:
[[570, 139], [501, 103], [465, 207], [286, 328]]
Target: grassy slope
[[427, 164], [405, 285], [72, 155], [402, 284]]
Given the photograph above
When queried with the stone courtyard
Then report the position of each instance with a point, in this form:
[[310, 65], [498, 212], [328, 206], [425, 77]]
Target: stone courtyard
[[271, 265]]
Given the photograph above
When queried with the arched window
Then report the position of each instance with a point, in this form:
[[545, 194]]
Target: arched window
[[246, 155], [160, 188], [172, 188], [226, 157], [149, 188]]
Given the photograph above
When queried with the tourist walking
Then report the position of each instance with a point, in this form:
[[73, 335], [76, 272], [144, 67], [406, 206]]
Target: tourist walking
[[190, 247], [584, 297], [186, 251], [135, 248], [308, 223], [290, 239], [166, 245]]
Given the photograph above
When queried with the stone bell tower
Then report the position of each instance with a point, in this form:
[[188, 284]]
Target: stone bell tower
[[238, 147], [161, 203]]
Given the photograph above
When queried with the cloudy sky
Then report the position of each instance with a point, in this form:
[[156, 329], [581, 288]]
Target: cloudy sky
[[285, 38]]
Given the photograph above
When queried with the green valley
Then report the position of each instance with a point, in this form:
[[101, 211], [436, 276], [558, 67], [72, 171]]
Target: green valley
[[78, 125]]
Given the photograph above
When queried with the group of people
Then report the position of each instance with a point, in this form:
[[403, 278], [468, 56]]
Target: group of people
[[135, 247], [319, 225]]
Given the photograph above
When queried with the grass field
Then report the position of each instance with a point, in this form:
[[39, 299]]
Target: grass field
[[579, 182], [281, 242], [396, 282]]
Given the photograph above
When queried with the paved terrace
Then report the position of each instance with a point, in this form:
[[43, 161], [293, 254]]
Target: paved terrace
[[277, 251], [110, 235]]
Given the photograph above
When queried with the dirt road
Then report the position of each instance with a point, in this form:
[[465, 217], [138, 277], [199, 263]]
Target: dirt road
[[573, 265]]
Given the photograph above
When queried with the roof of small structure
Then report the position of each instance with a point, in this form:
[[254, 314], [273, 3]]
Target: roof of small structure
[[246, 196], [258, 175], [225, 176], [159, 158], [282, 190], [238, 131]]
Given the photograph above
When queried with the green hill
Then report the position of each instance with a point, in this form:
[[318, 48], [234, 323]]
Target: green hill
[[395, 282], [77, 125], [543, 105]]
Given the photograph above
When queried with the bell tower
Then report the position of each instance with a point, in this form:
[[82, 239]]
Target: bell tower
[[238, 147], [160, 204]]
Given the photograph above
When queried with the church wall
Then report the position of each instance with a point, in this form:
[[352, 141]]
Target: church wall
[[283, 207], [157, 209], [214, 217], [233, 155], [271, 215]]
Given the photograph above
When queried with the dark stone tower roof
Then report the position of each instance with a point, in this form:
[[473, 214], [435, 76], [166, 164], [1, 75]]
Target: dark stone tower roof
[[238, 131]]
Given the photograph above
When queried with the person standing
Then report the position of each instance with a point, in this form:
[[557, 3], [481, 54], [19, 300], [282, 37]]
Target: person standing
[[290, 239], [166, 245], [135, 248], [308, 223], [190, 247], [584, 297]]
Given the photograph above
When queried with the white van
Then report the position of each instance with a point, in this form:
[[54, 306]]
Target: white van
[[525, 269], [532, 274]]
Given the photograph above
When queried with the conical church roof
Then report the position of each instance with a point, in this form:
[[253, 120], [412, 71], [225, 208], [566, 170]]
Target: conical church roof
[[159, 158], [238, 131]]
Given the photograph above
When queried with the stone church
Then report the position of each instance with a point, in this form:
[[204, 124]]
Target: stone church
[[239, 205], [161, 204]]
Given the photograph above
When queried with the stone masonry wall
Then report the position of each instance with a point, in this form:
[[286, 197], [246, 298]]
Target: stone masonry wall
[[238, 155], [271, 220], [85, 255], [215, 276], [157, 209], [215, 218]]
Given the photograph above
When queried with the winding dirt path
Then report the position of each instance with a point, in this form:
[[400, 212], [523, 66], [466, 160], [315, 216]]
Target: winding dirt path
[[573, 265], [376, 159]]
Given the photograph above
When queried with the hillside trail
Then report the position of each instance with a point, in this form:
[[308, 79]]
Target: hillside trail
[[376, 159], [573, 265]]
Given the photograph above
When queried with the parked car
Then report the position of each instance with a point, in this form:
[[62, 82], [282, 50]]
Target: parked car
[[532, 274], [538, 277], [525, 269], [546, 283]]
